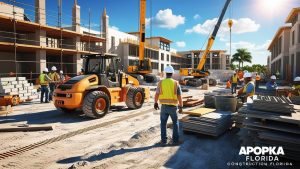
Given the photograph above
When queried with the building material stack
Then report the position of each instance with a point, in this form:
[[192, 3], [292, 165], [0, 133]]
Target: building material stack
[[214, 123], [18, 86], [271, 121]]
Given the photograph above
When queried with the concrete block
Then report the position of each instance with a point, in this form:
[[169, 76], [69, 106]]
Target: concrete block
[[34, 90], [14, 82], [21, 95], [31, 84], [27, 94], [6, 87], [26, 84], [33, 97], [7, 79], [4, 83], [21, 78], [23, 98], [18, 86], [4, 91], [22, 91], [30, 87], [14, 90], [13, 93]]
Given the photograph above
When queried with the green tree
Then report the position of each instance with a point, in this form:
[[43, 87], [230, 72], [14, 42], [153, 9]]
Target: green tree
[[242, 55]]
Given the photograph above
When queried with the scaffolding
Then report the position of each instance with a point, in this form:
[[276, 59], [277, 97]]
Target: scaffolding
[[19, 58]]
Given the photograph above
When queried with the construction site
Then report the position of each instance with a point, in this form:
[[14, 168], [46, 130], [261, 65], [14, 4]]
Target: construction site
[[76, 92]]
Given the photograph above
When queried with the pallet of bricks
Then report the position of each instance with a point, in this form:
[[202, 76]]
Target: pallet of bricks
[[271, 121], [18, 86]]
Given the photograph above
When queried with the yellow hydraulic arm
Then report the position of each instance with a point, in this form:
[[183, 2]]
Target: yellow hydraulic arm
[[142, 31], [212, 37]]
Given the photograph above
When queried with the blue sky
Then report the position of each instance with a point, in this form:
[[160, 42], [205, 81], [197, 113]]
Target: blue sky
[[187, 22]]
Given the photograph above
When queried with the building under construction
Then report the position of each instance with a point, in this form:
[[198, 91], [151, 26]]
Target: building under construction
[[28, 46]]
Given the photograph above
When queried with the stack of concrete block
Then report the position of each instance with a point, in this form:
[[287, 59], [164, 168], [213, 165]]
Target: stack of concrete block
[[18, 86]]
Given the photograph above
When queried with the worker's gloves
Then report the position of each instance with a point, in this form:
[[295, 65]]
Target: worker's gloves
[[156, 106], [180, 109]]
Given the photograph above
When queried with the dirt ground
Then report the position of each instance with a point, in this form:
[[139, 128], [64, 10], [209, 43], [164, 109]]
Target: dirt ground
[[130, 143]]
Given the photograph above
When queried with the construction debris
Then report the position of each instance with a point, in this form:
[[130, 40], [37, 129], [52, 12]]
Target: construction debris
[[213, 123], [270, 121], [188, 101], [18, 86], [26, 128]]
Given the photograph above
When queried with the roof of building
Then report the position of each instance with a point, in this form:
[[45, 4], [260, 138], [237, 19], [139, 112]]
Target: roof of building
[[161, 39], [279, 31], [291, 15]]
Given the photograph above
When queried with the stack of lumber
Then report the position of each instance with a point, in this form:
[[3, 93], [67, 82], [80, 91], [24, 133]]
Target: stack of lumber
[[18, 86], [212, 123], [272, 104], [189, 101], [270, 121]]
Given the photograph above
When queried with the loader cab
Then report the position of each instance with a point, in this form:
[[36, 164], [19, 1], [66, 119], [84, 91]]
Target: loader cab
[[105, 66]]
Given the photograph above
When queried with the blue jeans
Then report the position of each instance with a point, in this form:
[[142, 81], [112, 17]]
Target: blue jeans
[[233, 87], [44, 91], [165, 112], [52, 88]]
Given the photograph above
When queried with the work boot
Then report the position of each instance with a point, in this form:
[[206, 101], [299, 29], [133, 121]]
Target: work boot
[[177, 143], [162, 143]]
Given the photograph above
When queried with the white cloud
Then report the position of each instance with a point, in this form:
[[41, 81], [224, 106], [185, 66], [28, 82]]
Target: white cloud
[[166, 19], [259, 52], [242, 25], [180, 44], [114, 27], [197, 16]]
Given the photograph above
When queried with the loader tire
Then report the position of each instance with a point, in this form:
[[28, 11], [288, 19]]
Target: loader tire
[[135, 98], [194, 82], [96, 104], [212, 82]]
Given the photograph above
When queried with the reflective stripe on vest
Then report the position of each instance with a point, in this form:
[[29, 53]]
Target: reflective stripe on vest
[[245, 89], [168, 92], [42, 79], [234, 79]]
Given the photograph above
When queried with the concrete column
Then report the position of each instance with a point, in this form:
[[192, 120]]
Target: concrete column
[[210, 60], [78, 63], [40, 12], [105, 30], [41, 60], [192, 59], [76, 17]]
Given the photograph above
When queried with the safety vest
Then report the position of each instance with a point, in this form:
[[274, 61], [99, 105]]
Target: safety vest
[[54, 76], [43, 80], [297, 87], [246, 86], [168, 92], [234, 79], [257, 77]]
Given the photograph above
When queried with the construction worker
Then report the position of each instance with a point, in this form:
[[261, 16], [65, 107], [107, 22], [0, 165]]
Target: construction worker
[[234, 81], [257, 80], [168, 92], [228, 84], [61, 76], [272, 85], [296, 86], [248, 89], [44, 80], [55, 79], [240, 75]]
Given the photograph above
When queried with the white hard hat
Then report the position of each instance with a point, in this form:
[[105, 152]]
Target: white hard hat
[[46, 70], [247, 75], [61, 72], [273, 77], [54, 68], [297, 79], [169, 69]]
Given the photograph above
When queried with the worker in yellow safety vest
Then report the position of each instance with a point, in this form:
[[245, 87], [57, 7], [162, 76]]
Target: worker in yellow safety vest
[[55, 80], [234, 81], [44, 80], [168, 93], [248, 89], [257, 80], [296, 85]]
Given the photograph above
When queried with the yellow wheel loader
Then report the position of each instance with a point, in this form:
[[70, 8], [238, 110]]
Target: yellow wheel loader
[[101, 86]]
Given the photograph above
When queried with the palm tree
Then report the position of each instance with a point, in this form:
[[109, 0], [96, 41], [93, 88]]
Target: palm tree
[[241, 56]]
